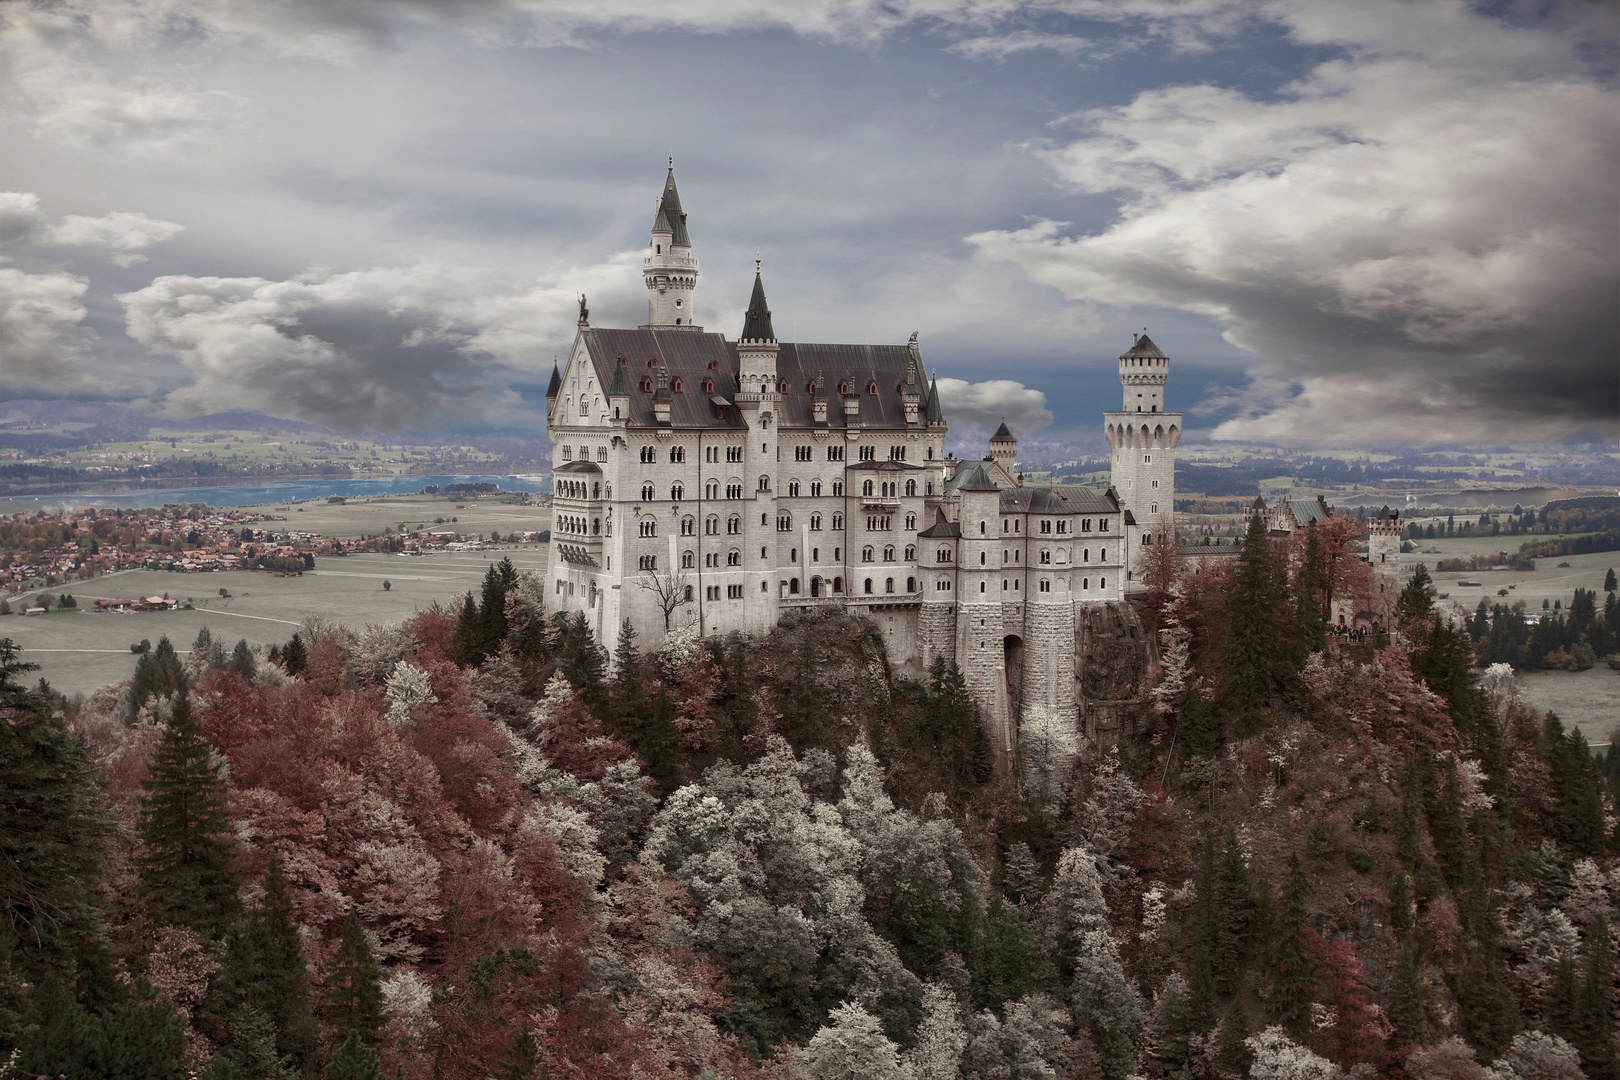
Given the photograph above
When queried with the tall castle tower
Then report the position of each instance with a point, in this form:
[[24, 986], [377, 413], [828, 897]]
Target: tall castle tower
[[1384, 552], [669, 269], [1143, 438]]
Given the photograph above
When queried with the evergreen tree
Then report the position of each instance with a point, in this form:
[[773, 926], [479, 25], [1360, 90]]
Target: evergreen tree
[[1201, 967], [1105, 1004], [465, 645], [188, 876], [1309, 627], [1252, 634], [1405, 1003], [1562, 1009], [1008, 956], [956, 733], [1198, 724], [1231, 941], [581, 660], [1486, 1008], [294, 655], [354, 1059], [492, 628], [158, 673], [242, 662], [1595, 1026], [1291, 983], [265, 969], [1416, 604], [1173, 1023], [127, 1040], [521, 1060], [1400, 902], [251, 1053], [1609, 583], [1231, 1053], [353, 986]]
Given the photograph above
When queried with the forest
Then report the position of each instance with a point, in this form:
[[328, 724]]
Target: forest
[[483, 844]]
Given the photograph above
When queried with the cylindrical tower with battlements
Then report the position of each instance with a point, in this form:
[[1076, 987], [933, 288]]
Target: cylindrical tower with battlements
[[669, 269]]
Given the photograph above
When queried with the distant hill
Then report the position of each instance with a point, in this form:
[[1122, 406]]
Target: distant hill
[[34, 424], [243, 420]]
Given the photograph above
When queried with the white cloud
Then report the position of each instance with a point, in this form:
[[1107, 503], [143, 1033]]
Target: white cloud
[[39, 331], [386, 349], [19, 216], [975, 409], [1005, 45], [1416, 240], [122, 232]]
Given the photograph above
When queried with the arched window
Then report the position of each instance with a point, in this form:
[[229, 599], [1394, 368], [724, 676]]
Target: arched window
[[648, 454], [1085, 554], [1085, 583], [815, 522], [649, 527], [888, 553], [793, 585], [838, 522], [646, 384], [647, 562], [784, 522], [888, 585], [677, 492], [983, 558], [793, 489], [982, 527], [866, 554], [688, 560], [911, 523], [942, 555], [911, 585], [981, 586], [733, 557], [764, 483], [711, 525], [838, 584], [734, 525], [688, 526], [866, 488], [868, 586], [1046, 555], [815, 487], [677, 454], [647, 492], [911, 554], [911, 487]]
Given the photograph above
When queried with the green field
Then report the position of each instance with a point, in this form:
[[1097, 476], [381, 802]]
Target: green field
[[370, 516], [81, 651], [1548, 581]]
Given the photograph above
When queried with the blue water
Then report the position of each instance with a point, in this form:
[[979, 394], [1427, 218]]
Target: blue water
[[224, 495]]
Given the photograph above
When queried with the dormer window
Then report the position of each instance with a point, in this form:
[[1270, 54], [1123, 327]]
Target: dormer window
[[652, 364], [843, 387], [708, 386], [646, 385], [676, 385], [781, 386], [714, 365], [871, 387]]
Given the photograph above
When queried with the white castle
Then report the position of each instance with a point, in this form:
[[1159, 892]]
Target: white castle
[[701, 481]]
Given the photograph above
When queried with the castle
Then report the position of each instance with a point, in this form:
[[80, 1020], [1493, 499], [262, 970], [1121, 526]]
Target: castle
[[716, 483]]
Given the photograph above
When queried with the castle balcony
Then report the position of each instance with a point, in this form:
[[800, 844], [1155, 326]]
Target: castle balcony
[[670, 261], [879, 503]]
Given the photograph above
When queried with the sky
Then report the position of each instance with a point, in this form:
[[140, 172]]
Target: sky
[[1382, 223]]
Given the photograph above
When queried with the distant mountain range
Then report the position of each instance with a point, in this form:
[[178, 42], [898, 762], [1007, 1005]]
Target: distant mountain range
[[34, 424]]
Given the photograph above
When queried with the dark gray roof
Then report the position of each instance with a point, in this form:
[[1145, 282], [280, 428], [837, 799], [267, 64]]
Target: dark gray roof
[[686, 356], [884, 466], [1208, 549], [936, 415], [1386, 513], [1307, 511], [757, 324], [578, 466], [621, 384], [1002, 434], [1056, 500], [556, 382], [682, 355], [941, 530], [1144, 347], [670, 218], [974, 476]]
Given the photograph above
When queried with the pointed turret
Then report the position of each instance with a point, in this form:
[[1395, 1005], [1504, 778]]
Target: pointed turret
[[669, 269], [757, 324], [935, 414], [554, 390], [1004, 448], [619, 392]]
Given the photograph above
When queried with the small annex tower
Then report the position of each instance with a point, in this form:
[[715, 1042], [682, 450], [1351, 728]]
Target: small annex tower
[[669, 269], [1143, 438]]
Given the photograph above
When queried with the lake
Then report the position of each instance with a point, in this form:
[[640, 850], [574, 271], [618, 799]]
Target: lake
[[256, 494]]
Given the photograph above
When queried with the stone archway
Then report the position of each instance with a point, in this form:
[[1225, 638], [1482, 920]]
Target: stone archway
[[1012, 659]]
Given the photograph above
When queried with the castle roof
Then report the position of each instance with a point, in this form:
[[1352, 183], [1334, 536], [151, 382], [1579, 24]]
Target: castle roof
[[757, 324], [693, 357], [1387, 514], [935, 415], [670, 218], [556, 382], [1308, 511], [1144, 347], [621, 385], [941, 530], [1002, 434], [1056, 500], [974, 476]]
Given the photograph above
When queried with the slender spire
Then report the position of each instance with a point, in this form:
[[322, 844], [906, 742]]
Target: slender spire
[[556, 380], [757, 326], [935, 414], [670, 218]]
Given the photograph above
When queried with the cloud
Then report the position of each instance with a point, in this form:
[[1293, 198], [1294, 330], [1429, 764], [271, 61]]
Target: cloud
[[122, 232], [975, 409], [1415, 240], [40, 335], [999, 48], [430, 346]]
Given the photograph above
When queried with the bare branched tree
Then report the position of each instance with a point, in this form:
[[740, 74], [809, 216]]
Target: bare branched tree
[[669, 589]]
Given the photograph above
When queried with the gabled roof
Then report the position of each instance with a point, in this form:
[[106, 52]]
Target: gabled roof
[[670, 218], [1144, 347], [1308, 511], [941, 530], [974, 476], [889, 366], [1386, 513], [1056, 500], [757, 324], [1002, 434], [682, 355]]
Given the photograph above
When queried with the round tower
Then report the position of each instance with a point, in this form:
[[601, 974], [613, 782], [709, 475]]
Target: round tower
[[669, 269], [1142, 437], [1004, 448]]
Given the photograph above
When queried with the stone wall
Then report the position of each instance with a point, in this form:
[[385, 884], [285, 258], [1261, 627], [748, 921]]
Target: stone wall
[[1113, 650]]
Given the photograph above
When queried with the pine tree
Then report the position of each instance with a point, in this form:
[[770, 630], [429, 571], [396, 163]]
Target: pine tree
[[242, 662], [956, 733], [1198, 724], [522, 1058], [1594, 1026], [1231, 942], [1173, 1023], [188, 876], [492, 628], [1291, 989], [1105, 1004], [265, 968], [354, 1059], [1230, 1051], [353, 987], [465, 645], [251, 1051], [1201, 967], [1609, 582], [1309, 627], [1250, 652], [134, 1039], [1486, 1008], [1416, 604], [294, 655], [1400, 902], [1405, 1004], [581, 660], [644, 723]]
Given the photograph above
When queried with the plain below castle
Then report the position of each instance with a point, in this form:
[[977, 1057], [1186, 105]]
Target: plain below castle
[[700, 480]]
